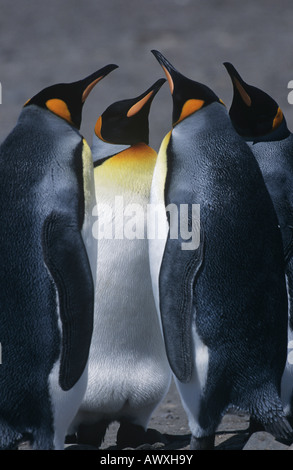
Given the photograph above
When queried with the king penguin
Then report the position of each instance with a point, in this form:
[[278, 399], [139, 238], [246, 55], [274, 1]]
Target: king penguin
[[260, 121], [129, 373], [46, 277], [223, 302]]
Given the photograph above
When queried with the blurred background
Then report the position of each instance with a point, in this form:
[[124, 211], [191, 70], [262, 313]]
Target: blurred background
[[47, 42]]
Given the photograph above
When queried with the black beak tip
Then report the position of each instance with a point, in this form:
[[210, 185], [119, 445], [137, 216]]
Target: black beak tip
[[162, 60]]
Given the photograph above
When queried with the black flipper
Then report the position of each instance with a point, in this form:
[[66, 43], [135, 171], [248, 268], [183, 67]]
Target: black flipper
[[66, 258], [176, 283]]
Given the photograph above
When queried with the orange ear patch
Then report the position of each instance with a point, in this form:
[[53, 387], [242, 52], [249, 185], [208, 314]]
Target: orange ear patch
[[98, 128], [170, 79], [139, 105], [278, 119], [60, 108], [27, 102], [190, 107]]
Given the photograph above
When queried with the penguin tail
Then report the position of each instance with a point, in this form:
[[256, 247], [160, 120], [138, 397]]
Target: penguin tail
[[280, 429], [268, 412]]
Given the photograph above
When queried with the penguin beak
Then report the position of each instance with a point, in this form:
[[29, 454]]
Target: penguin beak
[[238, 83], [167, 67], [146, 97], [89, 82]]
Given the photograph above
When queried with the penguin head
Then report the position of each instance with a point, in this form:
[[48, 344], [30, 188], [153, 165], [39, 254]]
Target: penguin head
[[126, 122], [188, 95], [66, 100], [253, 112]]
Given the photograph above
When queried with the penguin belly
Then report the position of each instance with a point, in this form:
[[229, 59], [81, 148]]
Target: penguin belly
[[128, 369]]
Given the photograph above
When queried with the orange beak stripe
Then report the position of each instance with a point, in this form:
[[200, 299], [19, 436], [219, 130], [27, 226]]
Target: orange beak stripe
[[89, 88], [244, 95], [139, 105], [169, 78]]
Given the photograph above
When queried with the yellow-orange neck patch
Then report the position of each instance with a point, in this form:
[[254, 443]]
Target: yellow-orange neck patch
[[60, 108], [138, 154], [131, 169], [98, 128]]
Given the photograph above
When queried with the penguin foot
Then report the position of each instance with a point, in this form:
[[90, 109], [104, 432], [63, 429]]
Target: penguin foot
[[202, 443], [80, 447], [71, 439], [133, 435], [92, 434], [24, 445], [254, 426], [152, 436], [130, 435]]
